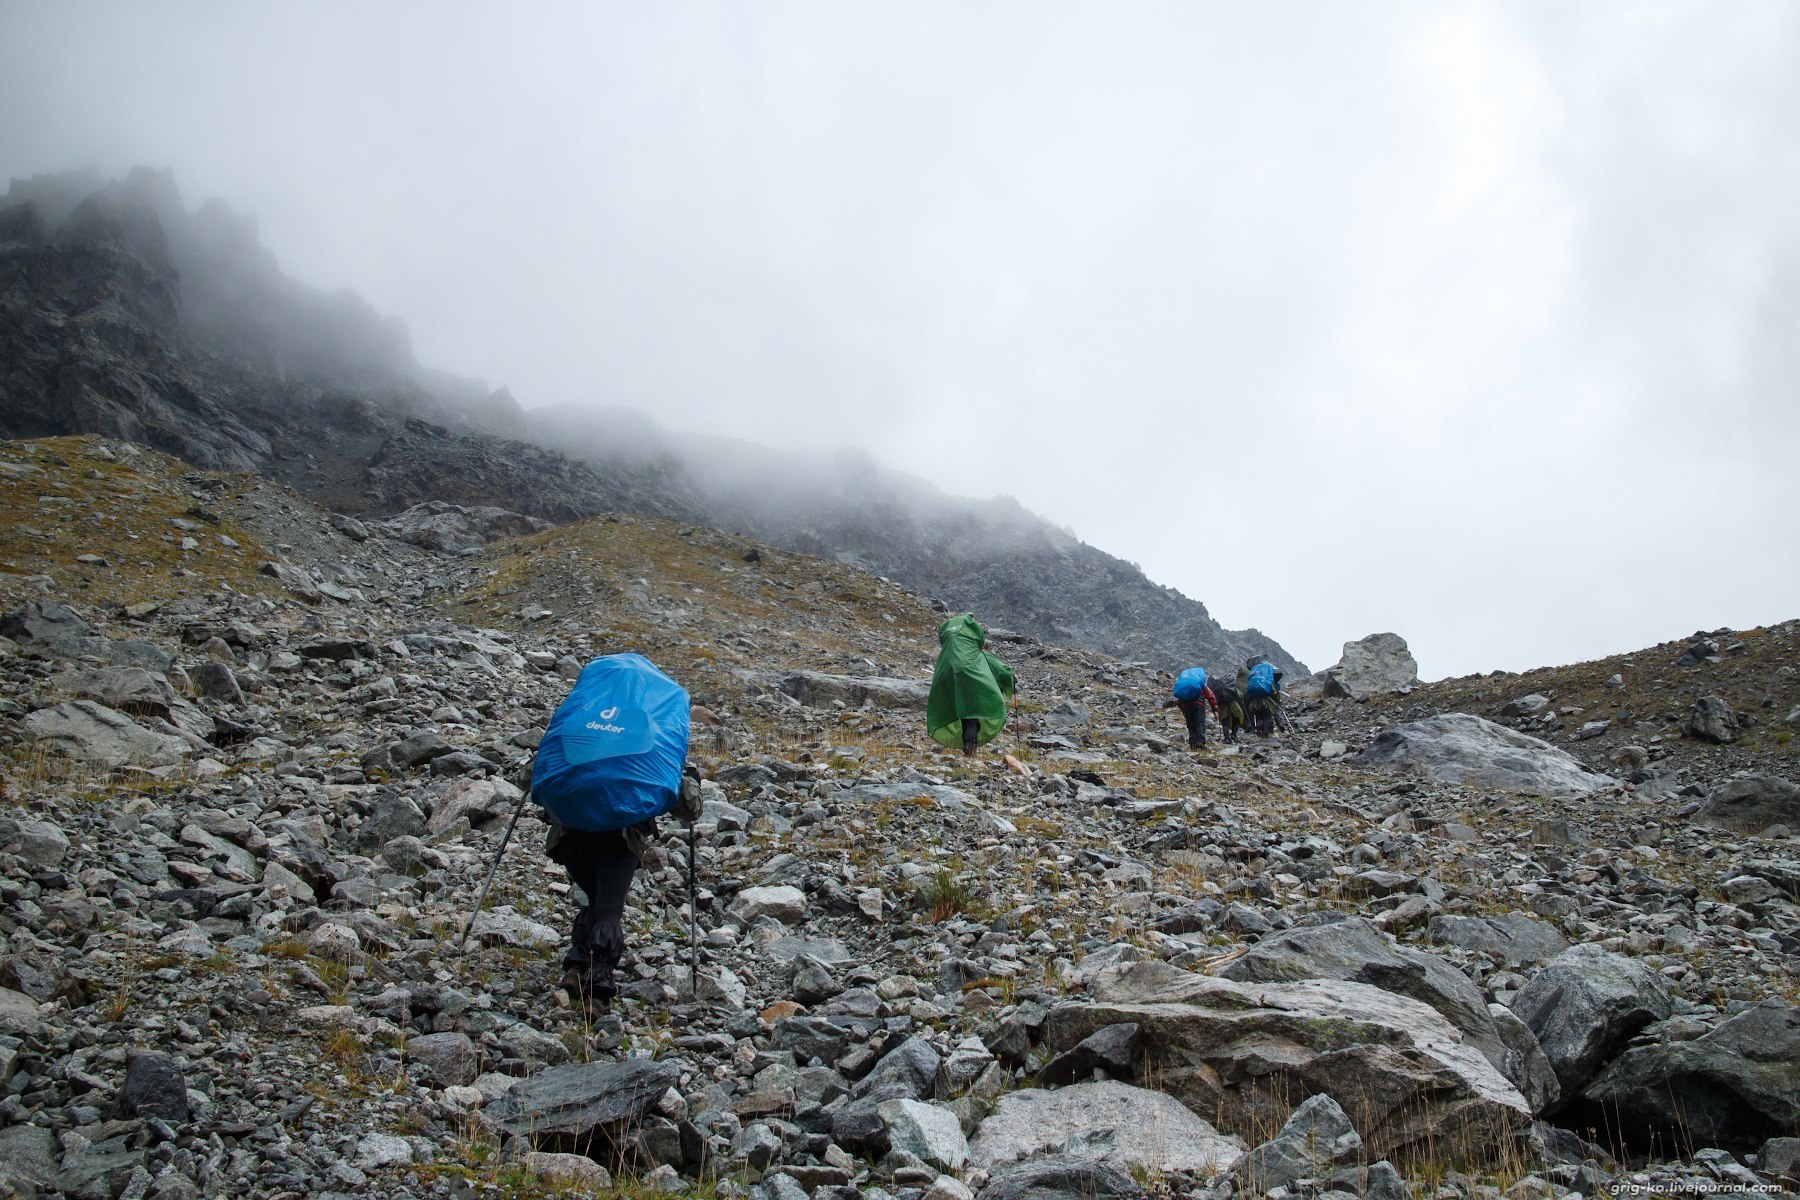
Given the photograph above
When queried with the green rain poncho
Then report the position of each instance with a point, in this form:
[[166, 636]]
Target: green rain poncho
[[969, 682]]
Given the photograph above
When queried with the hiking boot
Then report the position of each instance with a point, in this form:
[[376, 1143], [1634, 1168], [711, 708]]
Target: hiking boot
[[592, 988]]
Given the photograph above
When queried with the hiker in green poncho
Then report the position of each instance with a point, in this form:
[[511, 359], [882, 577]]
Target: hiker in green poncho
[[967, 705]]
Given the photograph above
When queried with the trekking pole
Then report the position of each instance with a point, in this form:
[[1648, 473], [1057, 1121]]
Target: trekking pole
[[493, 870], [693, 919]]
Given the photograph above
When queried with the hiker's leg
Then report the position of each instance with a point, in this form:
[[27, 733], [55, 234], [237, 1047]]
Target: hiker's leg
[[1196, 725], [574, 849], [971, 729], [613, 867]]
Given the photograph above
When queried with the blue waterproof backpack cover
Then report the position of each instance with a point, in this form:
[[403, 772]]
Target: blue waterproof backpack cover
[[613, 753], [1262, 679], [1189, 684]]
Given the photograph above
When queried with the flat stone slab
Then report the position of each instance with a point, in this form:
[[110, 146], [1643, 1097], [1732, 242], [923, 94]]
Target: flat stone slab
[[581, 1097], [1463, 748]]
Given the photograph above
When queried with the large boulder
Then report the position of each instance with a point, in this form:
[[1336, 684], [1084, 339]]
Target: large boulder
[[1735, 1086], [1584, 1005], [103, 736], [1106, 1121], [1462, 748], [452, 528], [815, 689], [128, 689], [1713, 720], [45, 621], [1378, 665], [1752, 803], [1242, 1054], [1513, 938], [1356, 951]]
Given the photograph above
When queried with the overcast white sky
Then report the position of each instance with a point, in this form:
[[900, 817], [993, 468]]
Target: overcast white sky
[[1476, 322]]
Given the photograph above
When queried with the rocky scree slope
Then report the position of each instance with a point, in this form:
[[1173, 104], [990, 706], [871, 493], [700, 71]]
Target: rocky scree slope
[[123, 314], [257, 772]]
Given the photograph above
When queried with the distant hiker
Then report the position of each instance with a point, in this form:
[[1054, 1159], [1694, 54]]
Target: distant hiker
[[1194, 697], [967, 705], [1229, 704], [613, 759], [1261, 695]]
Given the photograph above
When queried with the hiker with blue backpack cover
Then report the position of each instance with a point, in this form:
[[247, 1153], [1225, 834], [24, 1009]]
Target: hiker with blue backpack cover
[[612, 760], [1262, 694], [1194, 697]]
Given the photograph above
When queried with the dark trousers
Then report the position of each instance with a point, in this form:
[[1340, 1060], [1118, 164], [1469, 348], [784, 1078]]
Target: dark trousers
[[1195, 714], [971, 729], [601, 865]]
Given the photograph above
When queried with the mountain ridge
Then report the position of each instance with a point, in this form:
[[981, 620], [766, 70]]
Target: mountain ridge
[[122, 313]]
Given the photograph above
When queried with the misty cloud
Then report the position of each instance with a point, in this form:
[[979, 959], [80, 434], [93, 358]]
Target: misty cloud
[[1473, 322]]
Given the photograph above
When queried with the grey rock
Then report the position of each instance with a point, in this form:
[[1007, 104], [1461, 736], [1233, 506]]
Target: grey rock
[[1525, 1063], [1377, 665], [44, 621], [809, 1038], [350, 527], [785, 903], [1525, 706], [476, 801], [377, 1151], [1712, 720], [815, 689], [1113, 1049], [1061, 1179], [1315, 1139], [1584, 1005], [1241, 1052], [29, 1152], [42, 844], [1513, 938], [1106, 1121], [451, 1057], [1357, 951], [394, 816], [128, 689], [99, 1171], [1466, 749], [452, 528], [1736, 1085], [154, 1087], [907, 1071], [217, 681], [1751, 804], [1779, 1157], [929, 1133], [581, 1097], [19, 1013], [103, 736]]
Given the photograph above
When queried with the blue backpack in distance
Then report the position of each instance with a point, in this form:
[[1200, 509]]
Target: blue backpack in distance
[[613, 752], [1262, 680], [1189, 684]]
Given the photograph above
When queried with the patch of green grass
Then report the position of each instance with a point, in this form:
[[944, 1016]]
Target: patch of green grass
[[945, 895]]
